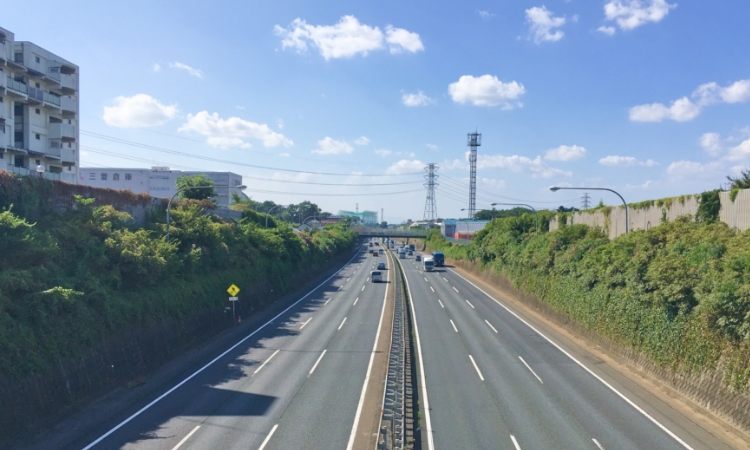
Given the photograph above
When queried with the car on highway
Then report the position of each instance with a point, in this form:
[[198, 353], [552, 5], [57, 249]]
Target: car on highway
[[410, 253], [381, 266], [417, 258], [376, 276]]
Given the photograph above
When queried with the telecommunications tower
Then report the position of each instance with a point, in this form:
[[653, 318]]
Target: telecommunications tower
[[475, 140], [430, 210]]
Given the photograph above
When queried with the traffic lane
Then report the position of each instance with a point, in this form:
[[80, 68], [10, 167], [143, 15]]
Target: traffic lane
[[463, 414], [604, 414], [322, 413], [198, 397]]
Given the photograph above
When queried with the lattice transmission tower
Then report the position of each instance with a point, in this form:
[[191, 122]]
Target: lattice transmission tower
[[430, 209], [586, 201], [475, 140]]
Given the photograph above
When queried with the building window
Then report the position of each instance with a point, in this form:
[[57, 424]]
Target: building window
[[38, 86], [70, 122], [1, 100], [70, 145], [116, 177], [38, 162], [104, 176], [38, 111], [38, 136], [70, 168], [128, 177], [36, 58]]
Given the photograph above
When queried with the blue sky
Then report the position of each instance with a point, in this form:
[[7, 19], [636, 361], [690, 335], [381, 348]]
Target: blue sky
[[649, 97]]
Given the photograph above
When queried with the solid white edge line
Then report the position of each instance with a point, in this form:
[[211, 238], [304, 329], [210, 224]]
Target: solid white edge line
[[342, 323], [266, 362], [158, 399], [488, 323], [268, 438], [472, 306], [305, 323], [515, 442], [612, 388], [316, 362], [179, 444], [476, 367], [353, 433], [454, 325], [530, 369], [426, 401], [441, 304], [598, 444]]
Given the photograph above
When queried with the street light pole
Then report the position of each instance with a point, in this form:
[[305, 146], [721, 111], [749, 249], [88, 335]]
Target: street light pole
[[169, 205], [627, 221], [528, 206], [269, 212]]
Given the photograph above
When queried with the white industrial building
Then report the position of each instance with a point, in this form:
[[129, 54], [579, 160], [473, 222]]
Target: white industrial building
[[38, 111], [157, 182]]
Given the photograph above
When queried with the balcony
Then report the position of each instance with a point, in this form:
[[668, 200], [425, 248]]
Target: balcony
[[17, 170], [68, 177], [68, 82], [54, 176], [54, 73], [68, 155], [69, 105], [51, 98], [4, 50], [54, 148], [17, 87], [35, 95], [63, 131]]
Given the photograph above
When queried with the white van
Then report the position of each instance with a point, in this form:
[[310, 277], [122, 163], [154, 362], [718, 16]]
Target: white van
[[376, 276], [401, 254], [427, 264]]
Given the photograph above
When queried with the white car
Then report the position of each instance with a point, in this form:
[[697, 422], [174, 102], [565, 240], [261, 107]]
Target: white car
[[376, 276]]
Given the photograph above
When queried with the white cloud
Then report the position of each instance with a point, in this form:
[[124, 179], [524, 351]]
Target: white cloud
[[383, 152], [565, 153], [645, 185], [216, 129], [485, 14], [711, 143], [226, 142], [542, 23], [517, 163], [284, 155], [406, 166], [330, 146], [455, 164], [629, 14], [140, 110], [280, 124], [494, 183], [431, 146], [739, 152], [194, 72], [346, 39], [241, 108], [683, 169], [711, 93], [486, 90], [418, 99], [362, 140], [681, 110], [400, 40], [626, 161], [157, 67], [609, 31]]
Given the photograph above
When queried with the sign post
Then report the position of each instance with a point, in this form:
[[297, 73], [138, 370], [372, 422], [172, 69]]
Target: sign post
[[233, 290]]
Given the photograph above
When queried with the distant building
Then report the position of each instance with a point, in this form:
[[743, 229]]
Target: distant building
[[368, 218], [39, 129], [157, 182], [461, 229]]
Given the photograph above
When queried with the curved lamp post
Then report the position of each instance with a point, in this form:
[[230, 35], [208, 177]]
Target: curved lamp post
[[269, 212], [528, 206], [310, 217], [627, 221], [169, 205]]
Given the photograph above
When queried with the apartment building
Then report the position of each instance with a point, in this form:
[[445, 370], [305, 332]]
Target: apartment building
[[157, 182], [39, 101]]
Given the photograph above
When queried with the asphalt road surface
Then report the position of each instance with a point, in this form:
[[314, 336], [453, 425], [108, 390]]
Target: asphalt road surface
[[492, 381], [295, 382]]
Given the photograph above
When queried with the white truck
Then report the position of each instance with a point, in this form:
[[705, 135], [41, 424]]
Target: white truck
[[427, 264]]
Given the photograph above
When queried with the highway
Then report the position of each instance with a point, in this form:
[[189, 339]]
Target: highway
[[492, 381], [295, 382]]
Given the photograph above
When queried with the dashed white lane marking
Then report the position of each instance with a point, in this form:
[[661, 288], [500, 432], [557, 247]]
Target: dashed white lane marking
[[454, 325], [268, 438], [266, 361], [355, 301], [316, 362], [368, 279], [425, 278], [179, 444], [493, 328], [340, 287], [454, 288], [476, 367], [441, 304], [472, 306], [446, 280], [598, 444], [433, 290], [348, 279], [342, 323], [363, 288], [305, 323], [515, 442], [326, 302], [530, 369]]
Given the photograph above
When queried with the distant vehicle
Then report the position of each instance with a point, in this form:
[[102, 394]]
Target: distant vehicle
[[417, 258], [376, 276], [375, 253], [381, 266], [377, 243], [427, 264], [410, 253], [412, 247], [370, 244], [439, 259], [381, 251], [401, 254]]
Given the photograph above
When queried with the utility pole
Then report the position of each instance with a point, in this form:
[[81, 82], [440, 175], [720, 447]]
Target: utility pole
[[475, 140], [585, 201], [430, 209]]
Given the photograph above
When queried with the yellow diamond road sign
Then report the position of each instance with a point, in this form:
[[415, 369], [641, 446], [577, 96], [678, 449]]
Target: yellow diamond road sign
[[233, 290]]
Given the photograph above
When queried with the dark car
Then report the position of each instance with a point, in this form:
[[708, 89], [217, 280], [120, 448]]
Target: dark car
[[381, 266], [417, 258]]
